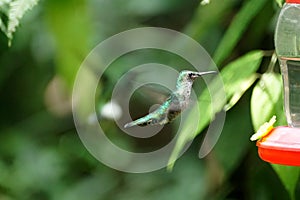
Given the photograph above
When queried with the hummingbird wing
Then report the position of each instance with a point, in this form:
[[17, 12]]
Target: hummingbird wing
[[174, 108], [152, 93]]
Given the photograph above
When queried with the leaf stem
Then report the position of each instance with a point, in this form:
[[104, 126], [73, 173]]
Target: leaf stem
[[272, 63]]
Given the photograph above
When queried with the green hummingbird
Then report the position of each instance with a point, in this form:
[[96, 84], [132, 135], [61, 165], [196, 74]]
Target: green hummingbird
[[175, 103]]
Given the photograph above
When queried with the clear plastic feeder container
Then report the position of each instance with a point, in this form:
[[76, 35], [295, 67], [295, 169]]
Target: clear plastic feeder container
[[287, 43]]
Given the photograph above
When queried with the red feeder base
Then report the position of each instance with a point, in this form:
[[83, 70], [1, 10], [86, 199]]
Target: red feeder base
[[281, 146]]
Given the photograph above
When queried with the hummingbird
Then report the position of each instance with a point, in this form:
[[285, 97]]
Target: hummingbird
[[174, 104]]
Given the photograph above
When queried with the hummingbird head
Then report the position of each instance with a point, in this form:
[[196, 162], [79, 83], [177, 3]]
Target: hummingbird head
[[185, 81], [190, 76]]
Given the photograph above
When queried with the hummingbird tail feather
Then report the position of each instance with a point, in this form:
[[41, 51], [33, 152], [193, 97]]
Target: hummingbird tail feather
[[130, 124], [144, 121]]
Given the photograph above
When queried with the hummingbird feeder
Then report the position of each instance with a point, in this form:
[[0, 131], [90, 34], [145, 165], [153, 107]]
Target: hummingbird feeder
[[281, 145]]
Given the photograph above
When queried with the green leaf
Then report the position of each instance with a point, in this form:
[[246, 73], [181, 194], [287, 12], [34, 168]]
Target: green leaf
[[2, 26], [17, 9], [289, 176], [71, 42], [237, 28], [3, 11], [240, 87], [4, 2], [237, 76], [204, 20], [4, 6], [279, 2], [266, 100]]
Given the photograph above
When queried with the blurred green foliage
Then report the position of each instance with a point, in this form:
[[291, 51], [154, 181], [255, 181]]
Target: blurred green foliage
[[41, 154]]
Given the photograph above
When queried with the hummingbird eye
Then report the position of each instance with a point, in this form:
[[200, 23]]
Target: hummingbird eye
[[192, 76]]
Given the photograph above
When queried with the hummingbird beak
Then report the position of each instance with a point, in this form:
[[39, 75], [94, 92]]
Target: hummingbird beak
[[197, 74], [203, 73]]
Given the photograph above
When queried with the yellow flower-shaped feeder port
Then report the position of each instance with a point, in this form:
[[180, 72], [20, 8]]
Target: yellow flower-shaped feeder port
[[264, 129]]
